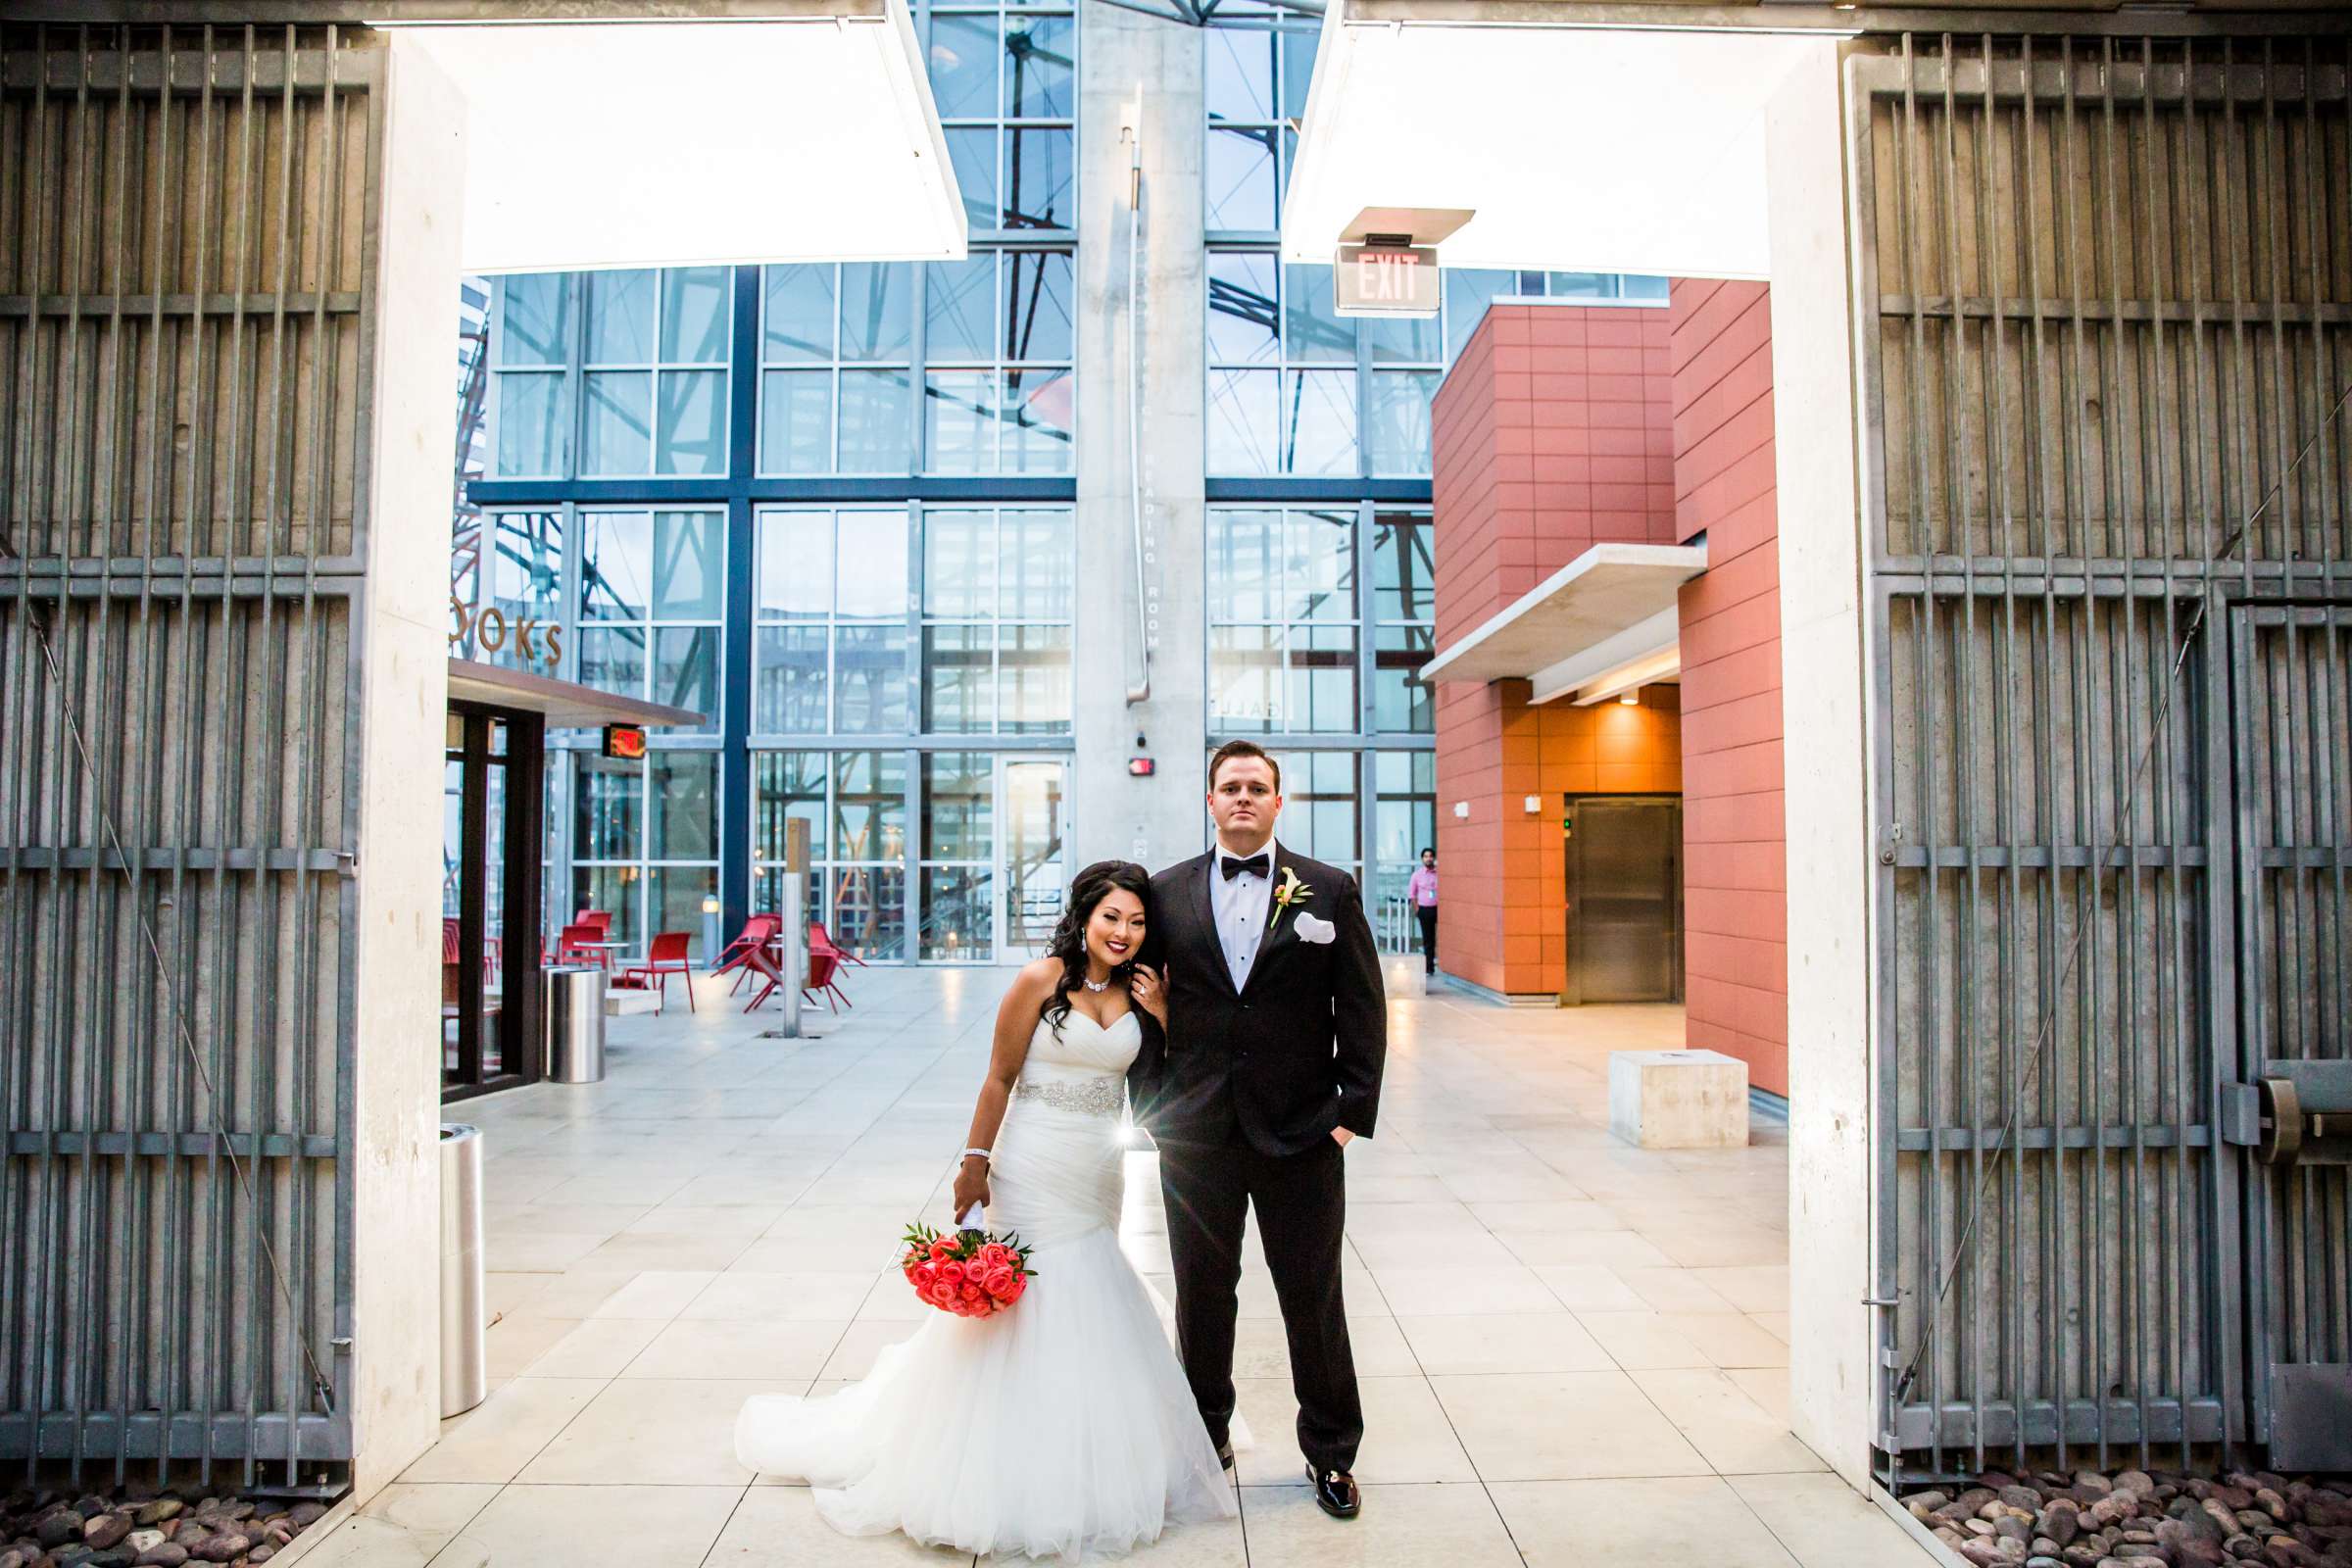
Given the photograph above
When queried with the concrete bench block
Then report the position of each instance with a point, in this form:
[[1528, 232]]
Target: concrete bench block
[[1400, 975], [629, 1003], [1678, 1098]]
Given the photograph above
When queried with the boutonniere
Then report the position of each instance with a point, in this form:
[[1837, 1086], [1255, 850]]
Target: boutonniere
[[1287, 892]]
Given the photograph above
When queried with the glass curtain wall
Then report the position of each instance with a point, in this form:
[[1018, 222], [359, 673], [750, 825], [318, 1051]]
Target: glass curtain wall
[[858, 567]]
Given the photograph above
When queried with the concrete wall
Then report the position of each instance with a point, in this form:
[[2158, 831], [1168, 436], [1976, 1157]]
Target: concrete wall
[[1124, 58], [1734, 876], [1832, 1386], [395, 1329]]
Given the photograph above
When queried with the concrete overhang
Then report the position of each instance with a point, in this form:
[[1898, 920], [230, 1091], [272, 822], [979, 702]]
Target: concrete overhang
[[566, 705], [795, 131], [1608, 614], [1624, 150]]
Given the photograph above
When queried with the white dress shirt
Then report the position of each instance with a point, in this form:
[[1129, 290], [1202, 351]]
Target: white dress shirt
[[1241, 903]]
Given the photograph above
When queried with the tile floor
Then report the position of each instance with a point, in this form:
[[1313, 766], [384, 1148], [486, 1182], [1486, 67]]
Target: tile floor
[[1571, 1352]]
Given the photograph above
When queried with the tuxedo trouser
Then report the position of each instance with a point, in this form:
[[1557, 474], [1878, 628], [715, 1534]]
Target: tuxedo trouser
[[1301, 1205]]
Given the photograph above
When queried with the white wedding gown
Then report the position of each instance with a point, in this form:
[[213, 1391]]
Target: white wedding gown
[[1063, 1427]]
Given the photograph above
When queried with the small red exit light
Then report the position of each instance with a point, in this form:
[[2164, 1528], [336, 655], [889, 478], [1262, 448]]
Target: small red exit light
[[1140, 766], [624, 741]]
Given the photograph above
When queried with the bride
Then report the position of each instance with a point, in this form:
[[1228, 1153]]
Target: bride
[[1064, 1426]]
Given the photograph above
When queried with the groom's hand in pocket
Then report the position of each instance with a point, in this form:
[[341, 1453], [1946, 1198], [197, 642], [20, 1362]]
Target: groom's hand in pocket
[[1342, 1137]]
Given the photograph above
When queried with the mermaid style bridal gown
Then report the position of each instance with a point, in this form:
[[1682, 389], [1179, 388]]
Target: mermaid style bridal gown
[[1063, 1427]]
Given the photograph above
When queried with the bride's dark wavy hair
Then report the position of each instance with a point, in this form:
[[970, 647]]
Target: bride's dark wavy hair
[[1086, 890]]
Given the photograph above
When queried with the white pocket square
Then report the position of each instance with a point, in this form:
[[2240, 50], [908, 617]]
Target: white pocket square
[[1313, 930]]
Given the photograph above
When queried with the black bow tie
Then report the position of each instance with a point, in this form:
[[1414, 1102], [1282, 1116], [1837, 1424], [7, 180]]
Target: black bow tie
[[1233, 867]]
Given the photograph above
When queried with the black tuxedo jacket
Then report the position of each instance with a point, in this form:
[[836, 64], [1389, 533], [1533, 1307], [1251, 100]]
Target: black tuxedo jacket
[[1294, 1053]]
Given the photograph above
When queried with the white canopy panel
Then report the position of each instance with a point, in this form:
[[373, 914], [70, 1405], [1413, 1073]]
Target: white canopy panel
[[663, 143], [1576, 148], [1613, 588]]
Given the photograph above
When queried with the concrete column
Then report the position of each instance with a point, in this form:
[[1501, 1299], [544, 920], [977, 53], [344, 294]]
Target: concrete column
[[1137, 72], [1832, 1387], [403, 622]]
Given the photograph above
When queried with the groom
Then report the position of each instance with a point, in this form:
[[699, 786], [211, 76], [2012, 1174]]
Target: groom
[[1270, 1064]]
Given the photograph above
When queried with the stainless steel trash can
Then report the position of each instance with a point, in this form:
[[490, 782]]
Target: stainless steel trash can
[[464, 1302], [576, 1025]]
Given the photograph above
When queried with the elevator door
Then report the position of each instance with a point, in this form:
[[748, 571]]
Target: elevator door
[[1625, 898]]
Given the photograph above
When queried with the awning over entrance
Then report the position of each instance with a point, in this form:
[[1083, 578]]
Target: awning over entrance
[[1602, 624], [563, 704], [798, 130], [1625, 151]]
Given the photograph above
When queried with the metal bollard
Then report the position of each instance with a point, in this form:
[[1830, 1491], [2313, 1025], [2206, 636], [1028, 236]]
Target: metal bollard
[[465, 1298]]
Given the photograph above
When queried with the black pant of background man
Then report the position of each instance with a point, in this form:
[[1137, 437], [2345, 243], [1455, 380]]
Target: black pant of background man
[[1428, 915]]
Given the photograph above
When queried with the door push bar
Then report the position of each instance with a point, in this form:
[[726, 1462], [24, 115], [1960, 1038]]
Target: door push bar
[[2296, 1113]]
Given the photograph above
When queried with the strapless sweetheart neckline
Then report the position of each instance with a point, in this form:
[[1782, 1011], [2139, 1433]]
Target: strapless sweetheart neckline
[[1079, 1013]]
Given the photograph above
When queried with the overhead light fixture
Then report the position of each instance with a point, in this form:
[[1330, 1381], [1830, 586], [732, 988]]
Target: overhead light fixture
[[1631, 697]]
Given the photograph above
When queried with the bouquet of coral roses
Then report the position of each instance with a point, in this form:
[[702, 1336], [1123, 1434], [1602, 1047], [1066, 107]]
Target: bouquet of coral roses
[[969, 1273]]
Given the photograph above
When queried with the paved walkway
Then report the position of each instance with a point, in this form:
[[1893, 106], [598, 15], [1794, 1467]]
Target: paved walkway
[[1572, 1353]]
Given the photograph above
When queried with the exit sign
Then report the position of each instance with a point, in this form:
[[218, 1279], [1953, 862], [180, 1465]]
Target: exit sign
[[624, 741], [1385, 281]]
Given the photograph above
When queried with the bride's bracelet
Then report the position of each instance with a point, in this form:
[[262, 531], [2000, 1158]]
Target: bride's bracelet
[[969, 1152]]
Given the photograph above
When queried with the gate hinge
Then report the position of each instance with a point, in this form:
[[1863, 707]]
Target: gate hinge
[[2296, 1113], [2241, 1115]]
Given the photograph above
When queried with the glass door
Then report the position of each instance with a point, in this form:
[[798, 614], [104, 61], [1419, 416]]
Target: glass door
[[1032, 862]]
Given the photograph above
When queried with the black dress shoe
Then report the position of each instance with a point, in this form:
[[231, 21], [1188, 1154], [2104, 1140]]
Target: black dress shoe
[[1335, 1493], [1225, 1455]]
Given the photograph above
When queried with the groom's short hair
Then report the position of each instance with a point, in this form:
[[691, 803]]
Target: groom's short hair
[[1233, 749]]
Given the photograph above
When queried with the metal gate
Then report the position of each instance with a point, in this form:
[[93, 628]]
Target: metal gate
[[2291, 691], [2105, 316], [186, 272]]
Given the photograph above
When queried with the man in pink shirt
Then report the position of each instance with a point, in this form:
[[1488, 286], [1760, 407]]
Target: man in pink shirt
[[1422, 893]]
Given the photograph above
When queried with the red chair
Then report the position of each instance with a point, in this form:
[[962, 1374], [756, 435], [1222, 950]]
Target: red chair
[[819, 938], [602, 919], [757, 933], [822, 966], [572, 946], [665, 957], [449, 940]]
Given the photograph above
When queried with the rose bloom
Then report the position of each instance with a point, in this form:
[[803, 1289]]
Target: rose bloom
[[942, 1294], [973, 1292], [996, 1282], [995, 1255], [942, 1249], [1020, 1283], [954, 1273], [924, 1275]]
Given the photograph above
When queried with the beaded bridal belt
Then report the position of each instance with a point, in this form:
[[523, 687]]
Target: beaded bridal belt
[[1091, 1096]]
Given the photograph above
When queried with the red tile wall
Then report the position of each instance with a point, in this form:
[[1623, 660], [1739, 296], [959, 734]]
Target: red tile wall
[[1504, 870], [1735, 880], [1555, 430]]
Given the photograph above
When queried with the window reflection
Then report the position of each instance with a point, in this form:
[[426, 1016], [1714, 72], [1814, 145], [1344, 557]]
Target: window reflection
[[534, 323], [830, 651], [1239, 175], [1039, 175], [650, 598], [1040, 68], [1282, 619], [877, 311], [620, 318], [1319, 415], [874, 411]]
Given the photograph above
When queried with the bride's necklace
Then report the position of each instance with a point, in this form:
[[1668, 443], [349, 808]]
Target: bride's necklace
[[1094, 985]]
